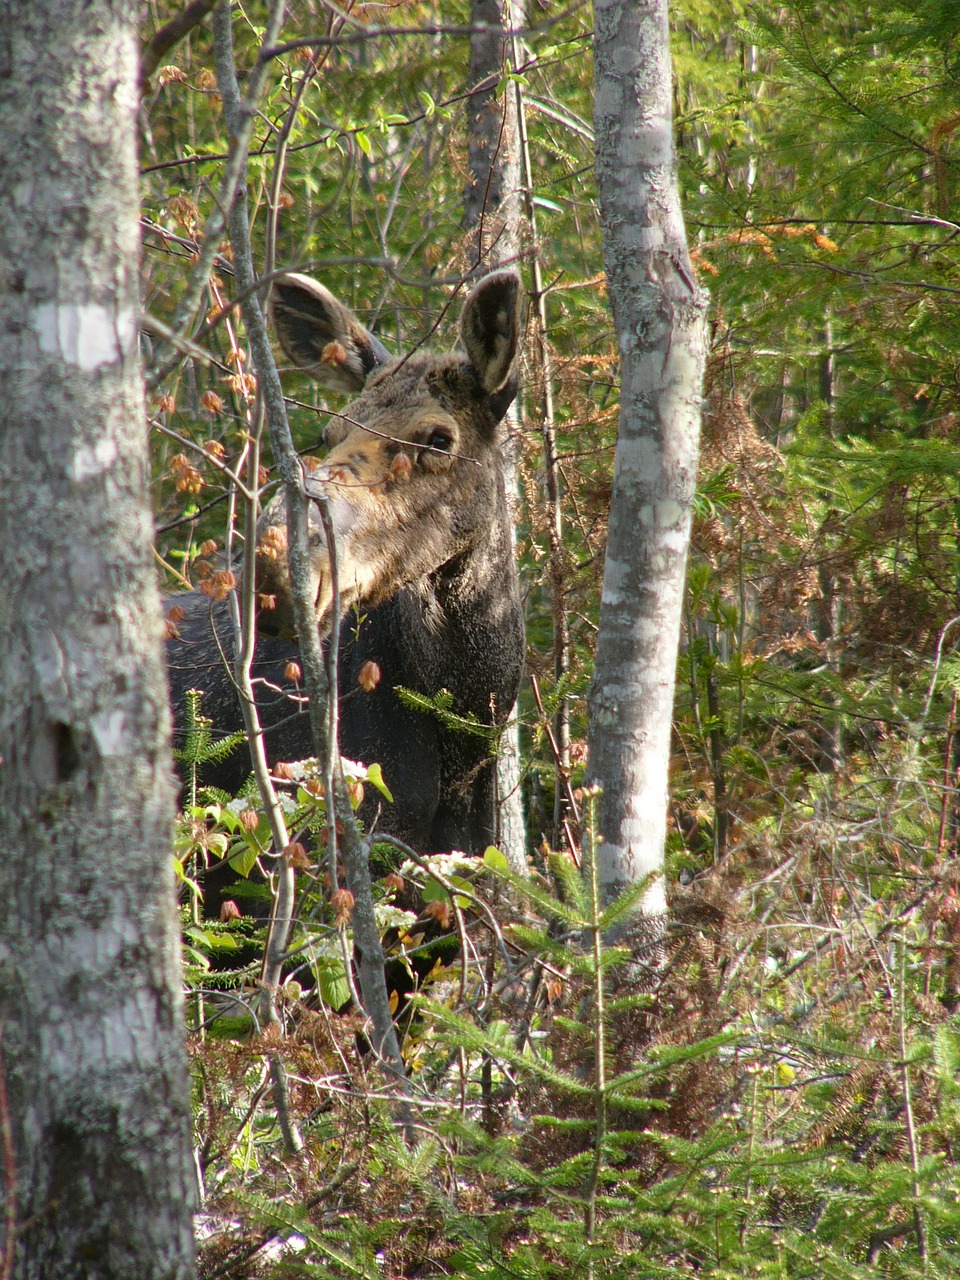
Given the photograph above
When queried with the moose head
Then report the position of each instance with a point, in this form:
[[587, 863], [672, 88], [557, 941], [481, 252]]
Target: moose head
[[413, 475]]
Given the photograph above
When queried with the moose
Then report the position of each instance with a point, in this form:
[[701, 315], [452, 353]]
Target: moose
[[427, 579]]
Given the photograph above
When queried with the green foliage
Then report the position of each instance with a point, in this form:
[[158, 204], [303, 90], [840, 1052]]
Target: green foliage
[[440, 705], [199, 746]]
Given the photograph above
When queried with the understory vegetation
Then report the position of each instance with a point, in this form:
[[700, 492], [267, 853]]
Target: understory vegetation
[[773, 1090]]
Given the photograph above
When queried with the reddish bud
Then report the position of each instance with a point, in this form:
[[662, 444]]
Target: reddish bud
[[249, 819], [183, 210], [273, 539], [439, 911], [207, 548], [242, 384], [171, 75], [334, 353], [296, 855], [284, 770], [401, 468], [210, 402], [394, 880], [292, 672], [368, 676], [343, 903], [229, 911], [267, 602], [175, 614], [186, 478], [224, 581]]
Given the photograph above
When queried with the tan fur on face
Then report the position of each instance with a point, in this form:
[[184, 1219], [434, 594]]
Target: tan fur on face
[[368, 455], [413, 475]]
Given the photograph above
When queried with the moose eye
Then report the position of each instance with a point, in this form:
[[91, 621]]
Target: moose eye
[[441, 440]]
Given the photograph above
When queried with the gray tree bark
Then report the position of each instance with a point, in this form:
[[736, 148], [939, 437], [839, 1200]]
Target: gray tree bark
[[659, 314], [493, 210], [95, 1089], [492, 199]]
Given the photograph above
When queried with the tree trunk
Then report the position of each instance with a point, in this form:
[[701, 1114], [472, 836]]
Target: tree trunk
[[95, 1099], [659, 315], [492, 199], [492, 214]]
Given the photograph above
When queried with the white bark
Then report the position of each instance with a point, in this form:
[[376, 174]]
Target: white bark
[[90, 1010], [659, 316]]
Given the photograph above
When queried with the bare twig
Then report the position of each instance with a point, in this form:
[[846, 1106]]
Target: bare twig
[[170, 34], [426, 29], [283, 902], [234, 174], [249, 494], [562, 772], [548, 430], [908, 1106], [372, 980]]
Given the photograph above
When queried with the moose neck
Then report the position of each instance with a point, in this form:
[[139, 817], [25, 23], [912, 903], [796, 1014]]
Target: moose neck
[[459, 625]]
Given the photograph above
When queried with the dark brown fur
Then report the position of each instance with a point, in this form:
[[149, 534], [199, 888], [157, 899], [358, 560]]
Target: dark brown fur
[[426, 570]]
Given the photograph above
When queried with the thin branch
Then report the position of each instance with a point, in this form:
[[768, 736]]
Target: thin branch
[[234, 176], [911, 1128], [372, 979], [249, 495], [170, 34], [427, 29]]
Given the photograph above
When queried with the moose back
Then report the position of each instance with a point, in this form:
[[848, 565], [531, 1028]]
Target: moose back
[[427, 579]]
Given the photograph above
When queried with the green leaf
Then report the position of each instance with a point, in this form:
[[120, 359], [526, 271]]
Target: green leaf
[[433, 891], [243, 858], [218, 843], [495, 860], [332, 980], [375, 778], [184, 879]]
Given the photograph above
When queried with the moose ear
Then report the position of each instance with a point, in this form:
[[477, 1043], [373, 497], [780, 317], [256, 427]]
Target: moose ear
[[323, 336], [490, 328]]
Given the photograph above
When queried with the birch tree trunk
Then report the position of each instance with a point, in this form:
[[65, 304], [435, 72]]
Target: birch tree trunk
[[659, 313], [94, 1099]]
